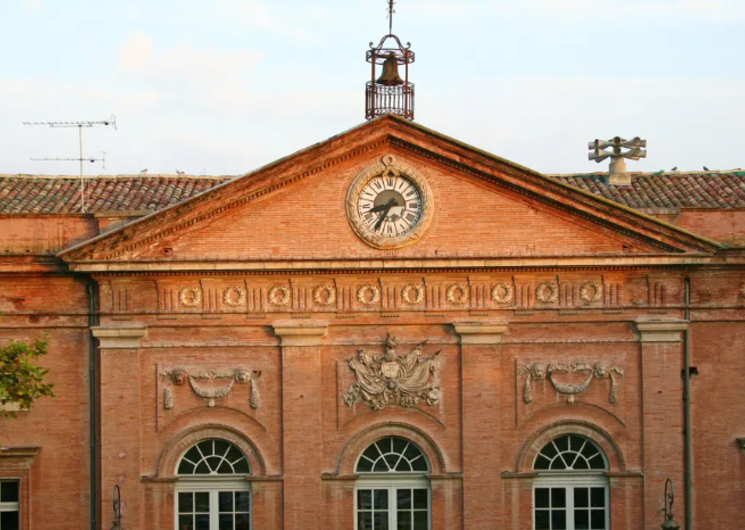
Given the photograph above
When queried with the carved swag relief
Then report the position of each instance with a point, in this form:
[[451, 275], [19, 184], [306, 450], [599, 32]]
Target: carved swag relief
[[209, 392], [392, 379], [539, 372]]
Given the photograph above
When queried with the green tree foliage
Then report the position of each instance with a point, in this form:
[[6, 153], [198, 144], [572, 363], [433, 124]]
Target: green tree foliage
[[21, 381]]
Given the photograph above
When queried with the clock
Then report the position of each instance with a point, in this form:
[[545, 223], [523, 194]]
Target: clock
[[389, 205]]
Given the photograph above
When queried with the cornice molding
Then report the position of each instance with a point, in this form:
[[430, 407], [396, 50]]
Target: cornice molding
[[400, 264], [119, 337]]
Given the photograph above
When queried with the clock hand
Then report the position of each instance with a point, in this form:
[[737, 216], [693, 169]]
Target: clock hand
[[382, 217]]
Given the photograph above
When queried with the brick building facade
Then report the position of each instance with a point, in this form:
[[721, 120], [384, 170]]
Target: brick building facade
[[292, 349]]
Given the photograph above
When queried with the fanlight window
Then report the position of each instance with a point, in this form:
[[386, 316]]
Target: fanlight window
[[392, 455], [214, 457], [570, 453]]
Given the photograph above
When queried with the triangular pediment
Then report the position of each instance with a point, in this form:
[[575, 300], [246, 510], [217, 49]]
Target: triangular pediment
[[481, 209]]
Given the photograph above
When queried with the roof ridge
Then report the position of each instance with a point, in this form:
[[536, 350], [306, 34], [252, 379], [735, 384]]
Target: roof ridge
[[101, 177]]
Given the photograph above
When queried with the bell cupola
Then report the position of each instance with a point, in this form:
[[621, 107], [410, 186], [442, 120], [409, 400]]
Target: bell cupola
[[387, 91]]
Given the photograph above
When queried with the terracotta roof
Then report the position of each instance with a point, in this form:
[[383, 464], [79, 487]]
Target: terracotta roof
[[61, 195], [650, 191], [30, 194]]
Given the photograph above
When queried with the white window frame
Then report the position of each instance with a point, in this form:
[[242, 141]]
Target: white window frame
[[213, 486], [392, 481], [569, 481]]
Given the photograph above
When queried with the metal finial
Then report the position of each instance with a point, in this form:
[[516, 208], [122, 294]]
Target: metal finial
[[391, 10]]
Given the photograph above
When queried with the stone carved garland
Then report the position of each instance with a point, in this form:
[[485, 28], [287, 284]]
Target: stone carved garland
[[462, 297], [374, 294], [502, 293], [547, 293], [279, 295], [418, 294], [179, 377], [190, 296], [539, 372], [330, 295], [591, 292], [392, 379]]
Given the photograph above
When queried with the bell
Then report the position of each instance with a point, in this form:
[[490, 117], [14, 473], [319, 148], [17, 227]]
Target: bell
[[390, 75]]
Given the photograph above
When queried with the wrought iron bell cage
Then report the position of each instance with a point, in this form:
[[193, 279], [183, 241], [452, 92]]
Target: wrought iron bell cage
[[386, 95]]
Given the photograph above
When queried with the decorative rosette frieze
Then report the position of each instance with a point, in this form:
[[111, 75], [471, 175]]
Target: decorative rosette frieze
[[234, 296], [591, 292], [457, 294], [502, 293], [412, 294], [190, 296], [324, 295], [547, 292], [279, 296], [368, 294]]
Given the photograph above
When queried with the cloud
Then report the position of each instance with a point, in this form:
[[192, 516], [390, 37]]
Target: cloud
[[32, 5], [183, 69]]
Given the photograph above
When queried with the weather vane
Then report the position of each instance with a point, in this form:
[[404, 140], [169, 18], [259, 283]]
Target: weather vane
[[391, 10]]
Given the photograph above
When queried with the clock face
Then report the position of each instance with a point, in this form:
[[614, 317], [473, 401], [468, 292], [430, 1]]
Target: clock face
[[390, 205]]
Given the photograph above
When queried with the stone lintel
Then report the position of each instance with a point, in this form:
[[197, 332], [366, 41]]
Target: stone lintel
[[661, 331], [119, 337], [294, 334], [481, 333]]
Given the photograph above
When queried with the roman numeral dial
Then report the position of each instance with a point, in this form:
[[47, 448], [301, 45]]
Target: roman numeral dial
[[390, 205]]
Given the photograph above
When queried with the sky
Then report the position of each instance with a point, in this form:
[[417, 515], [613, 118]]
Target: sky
[[221, 87]]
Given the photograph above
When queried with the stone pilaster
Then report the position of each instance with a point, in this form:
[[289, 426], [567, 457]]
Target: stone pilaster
[[301, 422], [480, 395], [119, 416], [661, 345]]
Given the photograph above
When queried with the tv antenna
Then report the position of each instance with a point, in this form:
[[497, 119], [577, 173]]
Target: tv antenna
[[81, 159]]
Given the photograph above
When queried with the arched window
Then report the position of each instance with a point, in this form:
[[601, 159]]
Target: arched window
[[212, 492], [393, 491], [571, 491]]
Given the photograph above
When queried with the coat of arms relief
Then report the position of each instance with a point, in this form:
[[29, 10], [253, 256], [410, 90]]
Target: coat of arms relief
[[393, 379]]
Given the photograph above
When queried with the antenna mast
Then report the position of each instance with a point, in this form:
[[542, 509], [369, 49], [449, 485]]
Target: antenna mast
[[79, 124]]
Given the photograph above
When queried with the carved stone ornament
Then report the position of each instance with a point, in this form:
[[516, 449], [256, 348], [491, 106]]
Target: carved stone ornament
[[547, 292], [320, 299], [407, 195], [179, 376], [502, 293], [407, 291], [459, 299], [374, 296], [234, 296], [279, 295], [539, 372], [392, 379], [190, 296], [591, 292]]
